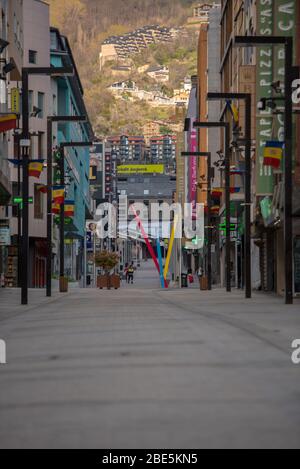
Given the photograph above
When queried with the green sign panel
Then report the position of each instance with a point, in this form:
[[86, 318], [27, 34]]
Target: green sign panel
[[264, 80], [274, 17]]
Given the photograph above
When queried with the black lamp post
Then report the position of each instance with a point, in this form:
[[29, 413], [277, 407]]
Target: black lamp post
[[246, 97], [209, 227], [62, 206], [291, 73], [225, 126], [25, 145], [50, 121]]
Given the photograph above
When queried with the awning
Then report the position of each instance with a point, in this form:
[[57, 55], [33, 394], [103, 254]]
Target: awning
[[8, 122]]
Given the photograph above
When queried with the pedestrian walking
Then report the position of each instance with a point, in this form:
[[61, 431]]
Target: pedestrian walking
[[130, 274]]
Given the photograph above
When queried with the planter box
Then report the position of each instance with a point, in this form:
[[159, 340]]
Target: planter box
[[63, 285], [108, 281], [203, 283]]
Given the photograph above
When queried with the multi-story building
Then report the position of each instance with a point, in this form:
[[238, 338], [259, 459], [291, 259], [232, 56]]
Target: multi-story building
[[30, 46], [68, 99], [97, 172], [128, 148], [163, 150], [246, 70]]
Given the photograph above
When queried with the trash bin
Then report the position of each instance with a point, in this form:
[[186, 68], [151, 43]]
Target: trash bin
[[184, 281], [63, 285]]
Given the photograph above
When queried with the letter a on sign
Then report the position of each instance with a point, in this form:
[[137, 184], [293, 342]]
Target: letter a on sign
[[2, 352]]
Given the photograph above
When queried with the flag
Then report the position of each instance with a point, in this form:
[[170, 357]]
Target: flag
[[69, 208], [216, 193], [8, 122], [273, 154], [14, 161], [235, 190], [35, 168], [55, 209], [42, 188], [58, 194], [215, 209], [234, 111]]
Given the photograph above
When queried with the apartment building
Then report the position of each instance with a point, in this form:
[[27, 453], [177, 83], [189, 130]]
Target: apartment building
[[163, 150], [68, 99], [128, 148]]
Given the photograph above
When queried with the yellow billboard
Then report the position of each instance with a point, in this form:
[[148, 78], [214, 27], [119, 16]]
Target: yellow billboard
[[141, 169]]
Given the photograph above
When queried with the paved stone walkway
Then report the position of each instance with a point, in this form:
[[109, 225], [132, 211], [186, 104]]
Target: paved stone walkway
[[146, 368]]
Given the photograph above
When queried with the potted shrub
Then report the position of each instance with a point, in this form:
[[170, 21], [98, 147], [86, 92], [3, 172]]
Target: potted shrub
[[107, 261]]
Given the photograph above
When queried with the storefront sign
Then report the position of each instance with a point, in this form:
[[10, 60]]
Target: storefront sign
[[141, 169], [264, 80], [4, 235], [15, 100], [277, 18]]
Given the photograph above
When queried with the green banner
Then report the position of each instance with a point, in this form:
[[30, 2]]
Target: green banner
[[264, 80], [278, 18], [284, 25]]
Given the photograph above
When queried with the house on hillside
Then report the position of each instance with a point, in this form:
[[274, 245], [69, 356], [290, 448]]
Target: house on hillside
[[159, 73]]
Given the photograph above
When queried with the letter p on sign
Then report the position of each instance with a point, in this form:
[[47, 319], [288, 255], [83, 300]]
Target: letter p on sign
[[2, 352]]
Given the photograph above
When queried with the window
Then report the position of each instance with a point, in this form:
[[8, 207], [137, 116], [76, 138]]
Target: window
[[41, 145], [30, 101], [38, 203], [32, 56], [41, 105]]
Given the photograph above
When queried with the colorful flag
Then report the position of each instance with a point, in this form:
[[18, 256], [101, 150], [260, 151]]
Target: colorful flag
[[235, 190], [35, 168], [58, 194], [42, 188], [215, 209], [216, 193], [273, 154], [234, 111], [69, 208], [56, 209], [8, 122]]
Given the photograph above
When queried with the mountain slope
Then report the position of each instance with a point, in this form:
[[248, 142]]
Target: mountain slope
[[87, 23]]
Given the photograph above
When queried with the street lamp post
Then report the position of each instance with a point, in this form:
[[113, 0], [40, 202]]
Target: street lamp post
[[62, 207], [25, 145], [209, 227], [246, 97], [50, 121], [225, 126], [291, 73]]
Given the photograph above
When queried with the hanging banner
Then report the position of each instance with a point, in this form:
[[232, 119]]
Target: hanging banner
[[58, 194], [264, 80], [15, 100]]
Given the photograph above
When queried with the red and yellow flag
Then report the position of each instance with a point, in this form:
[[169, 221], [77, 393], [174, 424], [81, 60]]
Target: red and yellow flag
[[216, 193], [58, 194], [35, 169], [42, 188], [69, 208], [56, 209], [273, 154], [8, 122]]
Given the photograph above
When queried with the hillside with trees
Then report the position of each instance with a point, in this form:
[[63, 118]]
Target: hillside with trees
[[87, 23]]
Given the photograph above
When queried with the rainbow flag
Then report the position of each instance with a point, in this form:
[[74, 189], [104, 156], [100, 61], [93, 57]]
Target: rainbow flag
[[8, 122], [35, 168], [69, 208], [58, 194], [273, 154]]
